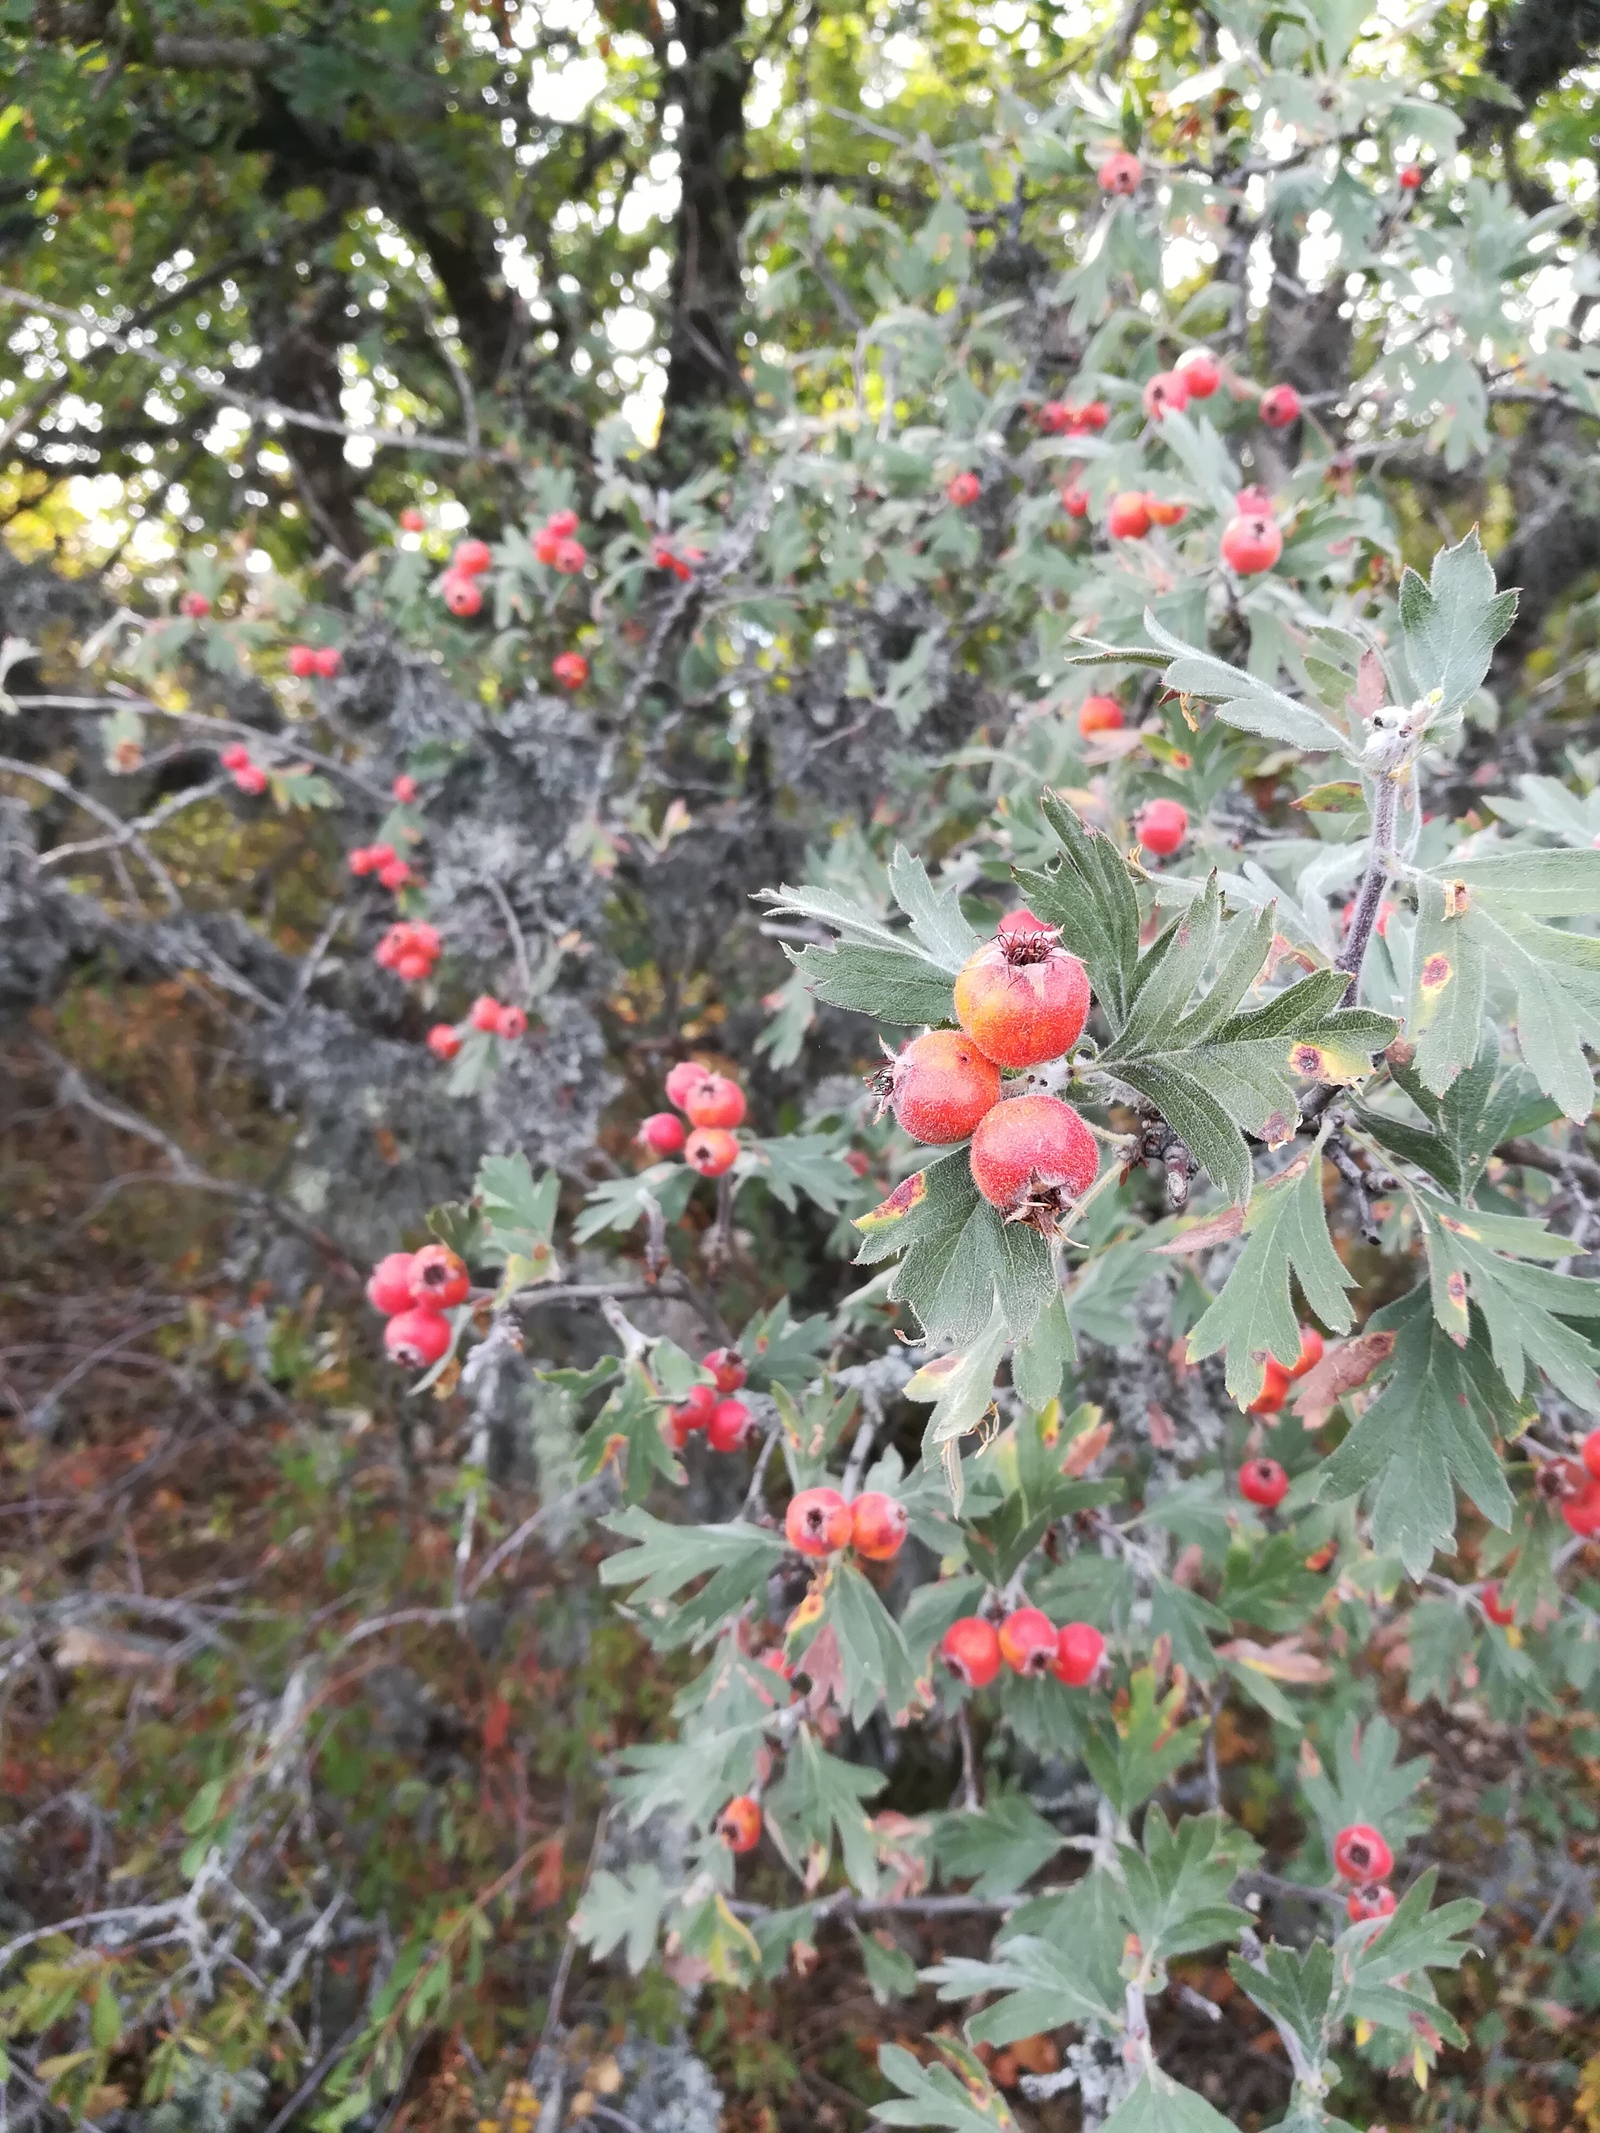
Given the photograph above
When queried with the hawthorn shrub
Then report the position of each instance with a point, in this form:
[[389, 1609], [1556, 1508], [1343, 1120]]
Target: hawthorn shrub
[[1186, 1028]]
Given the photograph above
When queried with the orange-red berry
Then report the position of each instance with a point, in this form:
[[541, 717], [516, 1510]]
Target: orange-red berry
[[1494, 1606], [1311, 1352], [1167, 393], [439, 1277], [713, 1100], [444, 1040], [1120, 174], [1200, 372], [417, 1338], [1080, 1648], [1100, 714], [711, 1151], [729, 1427], [1360, 1854], [939, 1086], [1129, 516], [1377, 1901], [970, 1648], [1022, 998], [1263, 1482], [1280, 405], [963, 489], [1028, 1641], [471, 557], [1251, 543], [817, 1522], [463, 596], [1274, 1389], [663, 1133], [878, 1526], [726, 1366], [1032, 1157], [389, 1286], [1161, 826], [739, 1824]]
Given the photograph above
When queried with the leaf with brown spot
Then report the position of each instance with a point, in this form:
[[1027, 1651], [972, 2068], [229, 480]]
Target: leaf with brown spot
[[1284, 1660], [1215, 1229], [1342, 1369]]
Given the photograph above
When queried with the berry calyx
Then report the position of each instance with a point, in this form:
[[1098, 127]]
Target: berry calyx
[[938, 1087], [739, 1824], [1022, 998], [463, 596], [1274, 1389], [1590, 1453], [963, 489], [439, 1277], [1494, 1606], [1161, 826], [1311, 1352], [416, 1339], [1263, 1482], [663, 1133], [471, 557], [682, 1079], [571, 669], [713, 1100], [1028, 1641], [1360, 1854], [711, 1151], [1032, 1157], [1200, 372], [389, 1285], [1120, 174], [726, 1366], [878, 1526], [1099, 714], [444, 1040], [1378, 1901], [1167, 393], [730, 1426], [1280, 405], [1251, 543], [817, 1522], [1129, 516], [970, 1648], [1080, 1648]]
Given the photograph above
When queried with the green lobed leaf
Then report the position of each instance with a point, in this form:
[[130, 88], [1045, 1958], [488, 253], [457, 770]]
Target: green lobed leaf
[[1243, 700], [1452, 622]]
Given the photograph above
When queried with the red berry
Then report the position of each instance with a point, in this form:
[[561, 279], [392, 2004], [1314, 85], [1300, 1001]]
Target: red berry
[[817, 1522], [251, 778], [329, 660], [714, 1100], [726, 1365], [878, 1526], [939, 1086], [1028, 1641], [235, 758], [570, 557], [412, 520], [1377, 1901], [1120, 173], [513, 1023], [1099, 714], [1129, 516], [444, 1040], [1164, 512], [404, 789], [1494, 1606], [463, 596], [471, 557], [389, 1288], [413, 968], [1263, 1481], [395, 875], [970, 1648], [1200, 372], [1311, 1352], [1582, 1510], [684, 1076], [1590, 1453], [695, 1413], [1095, 416], [1022, 998], [1360, 1854], [1075, 501], [1079, 1651], [417, 1338], [571, 669], [1032, 1157], [302, 661], [1251, 543], [439, 1277], [485, 1013], [1161, 826], [1055, 417], [663, 1132], [963, 489], [195, 605], [739, 1824], [563, 524], [711, 1151], [1280, 405], [545, 544], [1166, 394], [1411, 178], [1274, 1389], [730, 1426]]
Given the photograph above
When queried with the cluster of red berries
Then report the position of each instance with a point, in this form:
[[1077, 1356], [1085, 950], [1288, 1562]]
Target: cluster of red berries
[[821, 1522], [384, 861], [557, 545], [410, 949], [1028, 1642], [1064, 418], [248, 774], [1361, 1856], [713, 1104], [1580, 1485], [462, 593], [663, 556], [492, 1017], [306, 660], [726, 1421], [413, 1290], [571, 669]]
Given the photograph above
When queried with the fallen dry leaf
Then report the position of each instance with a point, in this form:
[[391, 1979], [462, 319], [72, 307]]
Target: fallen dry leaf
[[1285, 1660]]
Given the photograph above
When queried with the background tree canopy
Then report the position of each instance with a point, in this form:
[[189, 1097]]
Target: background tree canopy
[[792, 368]]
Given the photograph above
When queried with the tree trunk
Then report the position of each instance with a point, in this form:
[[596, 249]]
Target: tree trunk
[[707, 287]]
